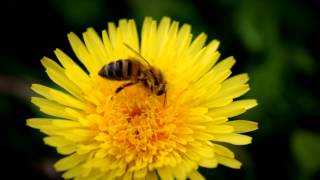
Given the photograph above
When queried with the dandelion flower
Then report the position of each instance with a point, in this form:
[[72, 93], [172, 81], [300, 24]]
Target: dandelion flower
[[133, 134]]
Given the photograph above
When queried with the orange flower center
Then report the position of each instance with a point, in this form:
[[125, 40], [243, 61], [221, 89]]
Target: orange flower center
[[137, 123]]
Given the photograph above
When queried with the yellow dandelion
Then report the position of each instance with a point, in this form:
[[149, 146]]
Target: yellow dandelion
[[136, 134]]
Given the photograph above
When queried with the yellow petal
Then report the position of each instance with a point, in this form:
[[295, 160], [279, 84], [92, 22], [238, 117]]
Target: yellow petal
[[232, 92], [221, 150], [195, 175], [198, 111], [39, 122], [167, 53], [203, 136], [128, 176], [224, 64], [226, 112], [220, 129], [116, 41], [95, 47], [133, 34], [57, 141], [217, 102], [58, 96], [74, 172], [148, 40], [194, 53], [209, 162], [215, 77], [69, 162], [57, 75], [236, 139], [64, 59], [162, 39], [80, 51], [108, 47], [128, 32], [246, 104], [165, 173], [66, 123], [180, 171], [208, 58], [230, 162], [101, 153], [122, 37], [73, 71], [201, 149], [197, 44], [75, 135], [141, 173], [51, 108], [236, 80], [243, 126], [85, 132], [184, 37], [66, 150], [233, 109], [84, 149]]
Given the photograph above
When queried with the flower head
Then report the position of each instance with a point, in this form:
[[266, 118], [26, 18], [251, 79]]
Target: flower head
[[135, 134]]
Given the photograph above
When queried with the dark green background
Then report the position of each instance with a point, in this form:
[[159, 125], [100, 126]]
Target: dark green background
[[276, 42]]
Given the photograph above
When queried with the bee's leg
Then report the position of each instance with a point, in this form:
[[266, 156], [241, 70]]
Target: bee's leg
[[165, 98], [120, 88]]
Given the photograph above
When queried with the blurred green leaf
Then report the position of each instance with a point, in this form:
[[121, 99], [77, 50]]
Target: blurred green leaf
[[306, 148], [78, 13], [256, 24], [302, 59]]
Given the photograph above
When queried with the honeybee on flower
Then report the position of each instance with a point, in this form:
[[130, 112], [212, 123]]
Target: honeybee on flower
[[135, 72], [112, 129]]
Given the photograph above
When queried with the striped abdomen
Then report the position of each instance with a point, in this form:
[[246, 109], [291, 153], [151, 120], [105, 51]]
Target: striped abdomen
[[121, 70]]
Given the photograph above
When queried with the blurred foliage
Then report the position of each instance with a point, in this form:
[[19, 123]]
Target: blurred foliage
[[275, 41], [306, 148]]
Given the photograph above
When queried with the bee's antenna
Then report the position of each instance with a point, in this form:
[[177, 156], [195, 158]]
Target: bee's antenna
[[137, 53]]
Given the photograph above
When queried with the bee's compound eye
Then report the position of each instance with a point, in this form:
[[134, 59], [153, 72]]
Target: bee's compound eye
[[160, 92]]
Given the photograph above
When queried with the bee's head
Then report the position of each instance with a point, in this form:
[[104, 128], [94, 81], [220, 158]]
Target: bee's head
[[157, 84], [159, 90]]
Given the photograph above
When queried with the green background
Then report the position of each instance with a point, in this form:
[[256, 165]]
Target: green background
[[276, 42]]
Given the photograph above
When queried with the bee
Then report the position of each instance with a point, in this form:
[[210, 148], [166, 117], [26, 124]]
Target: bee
[[135, 72]]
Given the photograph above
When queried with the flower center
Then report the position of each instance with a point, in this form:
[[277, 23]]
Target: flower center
[[137, 120], [138, 128]]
